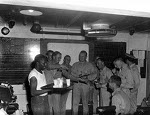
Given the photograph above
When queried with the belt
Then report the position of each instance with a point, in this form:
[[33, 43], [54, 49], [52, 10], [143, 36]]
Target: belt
[[130, 88]]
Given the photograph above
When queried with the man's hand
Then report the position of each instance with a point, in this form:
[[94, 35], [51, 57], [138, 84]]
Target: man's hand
[[83, 80], [98, 85], [64, 67], [133, 90], [65, 73], [83, 76]]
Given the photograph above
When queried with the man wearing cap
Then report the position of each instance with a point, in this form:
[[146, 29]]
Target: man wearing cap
[[125, 74], [130, 60], [104, 75]]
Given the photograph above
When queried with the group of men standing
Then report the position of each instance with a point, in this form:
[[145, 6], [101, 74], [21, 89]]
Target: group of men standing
[[129, 74], [86, 77], [54, 70]]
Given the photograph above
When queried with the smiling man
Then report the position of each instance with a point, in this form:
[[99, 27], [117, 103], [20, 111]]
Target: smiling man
[[84, 71], [39, 100]]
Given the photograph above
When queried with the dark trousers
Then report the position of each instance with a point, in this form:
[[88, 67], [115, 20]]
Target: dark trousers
[[39, 105]]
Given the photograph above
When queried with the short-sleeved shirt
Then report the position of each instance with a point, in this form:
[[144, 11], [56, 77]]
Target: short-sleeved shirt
[[69, 70], [121, 100], [136, 76], [104, 75], [126, 77], [82, 68], [41, 81], [50, 75]]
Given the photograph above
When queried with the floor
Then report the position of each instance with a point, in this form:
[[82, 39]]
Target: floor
[[69, 112], [143, 111]]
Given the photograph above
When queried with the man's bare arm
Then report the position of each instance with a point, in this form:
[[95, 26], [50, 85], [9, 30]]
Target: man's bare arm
[[33, 85]]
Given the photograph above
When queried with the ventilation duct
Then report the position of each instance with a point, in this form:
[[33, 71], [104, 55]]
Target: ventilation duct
[[60, 31], [99, 30]]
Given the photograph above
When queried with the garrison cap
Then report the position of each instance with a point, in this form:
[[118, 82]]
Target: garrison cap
[[130, 56]]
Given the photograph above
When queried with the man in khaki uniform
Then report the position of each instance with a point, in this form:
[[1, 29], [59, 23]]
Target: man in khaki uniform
[[84, 72], [119, 98], [130, 60], [48, 76], [104, 75], [64, 95], [52, 72], [126, 76]]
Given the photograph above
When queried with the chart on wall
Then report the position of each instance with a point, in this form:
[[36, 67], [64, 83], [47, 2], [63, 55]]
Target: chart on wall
[[72, 49]]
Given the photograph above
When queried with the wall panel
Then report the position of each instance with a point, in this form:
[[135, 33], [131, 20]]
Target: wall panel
[[15, 59]]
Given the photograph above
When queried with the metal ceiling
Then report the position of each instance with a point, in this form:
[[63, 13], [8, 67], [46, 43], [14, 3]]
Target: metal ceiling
[[74, 19]]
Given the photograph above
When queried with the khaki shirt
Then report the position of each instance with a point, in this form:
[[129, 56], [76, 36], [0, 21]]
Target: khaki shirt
[[50, 75], [126, 77], [136, 76], [68, 71], [83, 68], [104, 75], [122, 102]]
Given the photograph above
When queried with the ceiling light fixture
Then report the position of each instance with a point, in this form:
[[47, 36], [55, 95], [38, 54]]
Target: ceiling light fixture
[[31, 12], [99, 30]]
